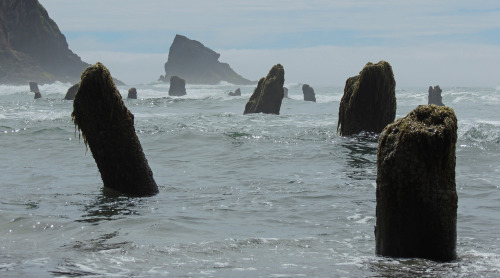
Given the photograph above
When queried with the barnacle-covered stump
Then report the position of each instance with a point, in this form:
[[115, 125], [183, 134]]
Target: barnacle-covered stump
[[267, 97], [107, 127], [369, 100], [416, 192]]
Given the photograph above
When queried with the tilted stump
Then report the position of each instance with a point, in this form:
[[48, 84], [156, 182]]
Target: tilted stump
[[369, 100], [416, 192], [267, 97], [107, 127]]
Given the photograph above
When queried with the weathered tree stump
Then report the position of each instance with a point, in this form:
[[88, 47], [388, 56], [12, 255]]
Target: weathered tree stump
[[107, 127], [416, 192], [369, 100], [267, 97]]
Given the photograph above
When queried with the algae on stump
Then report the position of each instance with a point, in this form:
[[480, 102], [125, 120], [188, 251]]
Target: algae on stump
[[267, 97], [369, 100], [107, 127], [416, 192]]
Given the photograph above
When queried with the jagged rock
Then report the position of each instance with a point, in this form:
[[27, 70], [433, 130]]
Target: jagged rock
[[267, 97], [369, 101], [236, 93], [177, 86], [416, 191], [70, 94], [132, 93], [34, 87], [32, 47], [435, 96], [198, 64], [308, 92], [107, 127], [285, 92]]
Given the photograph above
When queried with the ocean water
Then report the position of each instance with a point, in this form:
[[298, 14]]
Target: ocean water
[[240, 195]]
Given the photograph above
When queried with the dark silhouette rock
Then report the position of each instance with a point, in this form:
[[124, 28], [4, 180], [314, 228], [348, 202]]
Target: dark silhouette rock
[[435, 96], [32, 47], [177, 86], [308, 92], [70, 94], [107, 127], [198, 64], [369, 100], [236, 93], [285, 92], [416, 192], [38, 95], [34, 89], [132, 93], [267, 97]]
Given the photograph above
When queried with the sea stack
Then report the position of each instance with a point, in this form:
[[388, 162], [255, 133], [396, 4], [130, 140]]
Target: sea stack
[[416, 192], [177, 86], [267, 97], [369, 101], [235, 93], [107, 127], [308, 92], [70, 94], [132, 93], [435, 96]]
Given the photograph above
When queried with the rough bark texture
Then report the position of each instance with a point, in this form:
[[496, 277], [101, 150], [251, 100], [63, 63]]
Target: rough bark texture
[[107, 127], [416, 192], [369, 101], [267, 97]]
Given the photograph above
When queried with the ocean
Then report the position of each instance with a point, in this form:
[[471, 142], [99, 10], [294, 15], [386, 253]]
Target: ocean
[[240, 195]]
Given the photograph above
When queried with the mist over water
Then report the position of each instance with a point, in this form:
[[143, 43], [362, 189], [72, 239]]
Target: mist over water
[[240, 195]]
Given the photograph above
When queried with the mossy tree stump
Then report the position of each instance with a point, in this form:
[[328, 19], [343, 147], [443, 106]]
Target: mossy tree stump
[[268, 95], [369, 100], [416, 192], [107, 127]]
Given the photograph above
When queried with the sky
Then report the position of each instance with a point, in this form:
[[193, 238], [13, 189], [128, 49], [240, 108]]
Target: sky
[[318, 42]]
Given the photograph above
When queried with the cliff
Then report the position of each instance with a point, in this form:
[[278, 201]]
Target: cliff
[[197, 64], [32, 48]]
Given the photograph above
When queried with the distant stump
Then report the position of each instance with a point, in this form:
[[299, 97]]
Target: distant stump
[[434, 96], [70, 94], [369, 100], [416, 192], [177, 86], [107, 127], [132, 93], [308, 92], [267, 97]]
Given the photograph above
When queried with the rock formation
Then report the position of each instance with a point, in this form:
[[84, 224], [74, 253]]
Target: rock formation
[[32, 47], [236, 93], [132, 93], [285, 92], [34, 89], [416, 192], [107, 127], [267, 97], [308, 92], [70, 94], [197, 64], [435, 96], [177, 86], [369, 101]]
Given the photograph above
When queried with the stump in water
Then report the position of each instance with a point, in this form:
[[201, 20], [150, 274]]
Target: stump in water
[[434, 96], [107, 127], [416, 192], [34, 89], [267, 97], [369, 100]]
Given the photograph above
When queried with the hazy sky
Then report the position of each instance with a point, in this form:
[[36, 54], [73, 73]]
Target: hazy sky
[[319, 42]]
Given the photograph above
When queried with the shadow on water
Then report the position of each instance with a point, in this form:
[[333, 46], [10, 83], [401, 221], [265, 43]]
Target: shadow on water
[[108, 207], [361, 162]]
